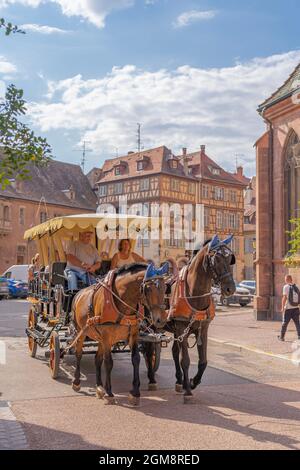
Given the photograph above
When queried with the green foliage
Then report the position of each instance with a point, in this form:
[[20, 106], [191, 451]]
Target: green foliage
[[292, 259], [10, 28], [19, 145]]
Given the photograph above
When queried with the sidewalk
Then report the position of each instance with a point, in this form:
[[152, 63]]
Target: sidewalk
[[237, 328]]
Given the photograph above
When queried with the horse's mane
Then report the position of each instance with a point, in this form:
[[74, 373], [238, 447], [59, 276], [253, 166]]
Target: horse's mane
[[132, 268]]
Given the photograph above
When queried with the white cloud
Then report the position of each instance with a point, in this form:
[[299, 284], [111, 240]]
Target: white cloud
[[42, 29], [192, 16], [6, 67], [185, 107], [95, 11]]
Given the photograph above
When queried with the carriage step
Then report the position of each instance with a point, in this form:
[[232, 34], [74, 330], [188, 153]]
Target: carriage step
[[35, 334]]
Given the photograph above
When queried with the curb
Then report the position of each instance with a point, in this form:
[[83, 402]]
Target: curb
[[12, 436], [240, 348]]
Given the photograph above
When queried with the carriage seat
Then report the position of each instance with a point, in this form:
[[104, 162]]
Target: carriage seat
[[57, 274]]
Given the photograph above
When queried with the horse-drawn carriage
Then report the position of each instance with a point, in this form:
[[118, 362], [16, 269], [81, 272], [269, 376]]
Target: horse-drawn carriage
[[50, 324], [128, 306]]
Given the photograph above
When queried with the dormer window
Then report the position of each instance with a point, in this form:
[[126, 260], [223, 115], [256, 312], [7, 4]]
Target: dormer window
[[174, 164], [140, 165], [214, 170], [117, 170]]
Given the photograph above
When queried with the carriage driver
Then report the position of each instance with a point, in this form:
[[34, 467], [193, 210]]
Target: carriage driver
[[83, 260]]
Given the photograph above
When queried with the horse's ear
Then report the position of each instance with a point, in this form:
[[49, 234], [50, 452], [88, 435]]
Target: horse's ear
[[214, 242], [150, 272], [228, 240], [163, 270]]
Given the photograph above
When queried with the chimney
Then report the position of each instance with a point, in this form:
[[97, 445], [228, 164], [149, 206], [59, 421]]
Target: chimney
[[202, 149], [240, 171], [185, 161]]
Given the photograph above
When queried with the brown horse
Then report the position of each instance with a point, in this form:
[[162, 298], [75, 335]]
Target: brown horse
[[109, 315], [192, 309]]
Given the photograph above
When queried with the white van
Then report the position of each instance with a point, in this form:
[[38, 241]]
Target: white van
[[17, 272]]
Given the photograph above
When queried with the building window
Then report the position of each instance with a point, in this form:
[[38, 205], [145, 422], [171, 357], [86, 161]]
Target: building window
[[219, 194], [118, 188], [206, 217], [191, 188], [292, 183], [43, 217], [102, 190], [21, 252], [249, 248], [232, 220], [173, 164], [140, 166], [6, 214], [219, 221], [235, 246], [22, 216], [175, 185], [205, 191], [117, 170], [232, 196], [144, 184]]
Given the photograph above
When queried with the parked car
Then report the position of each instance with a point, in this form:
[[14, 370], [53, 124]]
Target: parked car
[[4, 288], [18, 289], [250, 285], [16, 278], [17, 272], [241, 296]]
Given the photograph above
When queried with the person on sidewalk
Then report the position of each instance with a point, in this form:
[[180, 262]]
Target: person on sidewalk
[[290, 306]]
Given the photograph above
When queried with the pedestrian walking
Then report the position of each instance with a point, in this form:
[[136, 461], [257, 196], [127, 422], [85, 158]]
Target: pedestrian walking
[[290, 306]]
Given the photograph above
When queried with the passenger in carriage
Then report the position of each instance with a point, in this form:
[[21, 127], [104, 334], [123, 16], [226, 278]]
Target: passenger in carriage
[[125, 256], [83, 260], [33, 271]]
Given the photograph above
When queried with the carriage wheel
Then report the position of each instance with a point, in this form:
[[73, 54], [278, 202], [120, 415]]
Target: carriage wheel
[[31, 323], [155, 357], [54, 355]]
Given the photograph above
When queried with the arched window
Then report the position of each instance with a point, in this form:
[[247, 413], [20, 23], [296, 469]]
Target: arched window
[[292, 182], [6, 214]]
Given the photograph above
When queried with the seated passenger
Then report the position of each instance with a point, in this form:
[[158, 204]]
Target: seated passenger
[[125, 256], [32, 271], [83, 260]]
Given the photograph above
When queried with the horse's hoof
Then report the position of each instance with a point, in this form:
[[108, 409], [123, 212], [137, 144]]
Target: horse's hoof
[[189, 400], [152, 387], [133, 401], [75, 387], [100, 393], [110, 400], [178, 388]]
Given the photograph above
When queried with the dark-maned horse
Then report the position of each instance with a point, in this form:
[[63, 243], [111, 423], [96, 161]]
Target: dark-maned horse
[[192, 308], [94, 319]]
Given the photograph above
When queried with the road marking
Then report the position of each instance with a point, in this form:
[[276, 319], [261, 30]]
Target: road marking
[[241, 347]]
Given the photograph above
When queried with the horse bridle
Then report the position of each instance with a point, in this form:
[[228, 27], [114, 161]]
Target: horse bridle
[[144, 285], [212, 261]]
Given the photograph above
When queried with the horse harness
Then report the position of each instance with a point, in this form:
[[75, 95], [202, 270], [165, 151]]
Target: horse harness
[[181, 309]]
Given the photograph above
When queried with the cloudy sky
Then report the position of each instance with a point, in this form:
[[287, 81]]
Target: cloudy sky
[[191, 72]]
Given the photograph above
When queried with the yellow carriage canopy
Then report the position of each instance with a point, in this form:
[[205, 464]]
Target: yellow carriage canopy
[[107, 229]]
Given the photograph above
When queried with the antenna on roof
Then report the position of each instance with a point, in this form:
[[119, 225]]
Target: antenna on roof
[[237, 156], [84, 151], [139, 136]]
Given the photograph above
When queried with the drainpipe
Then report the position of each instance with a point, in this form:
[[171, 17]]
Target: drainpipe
[[271, 208]]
